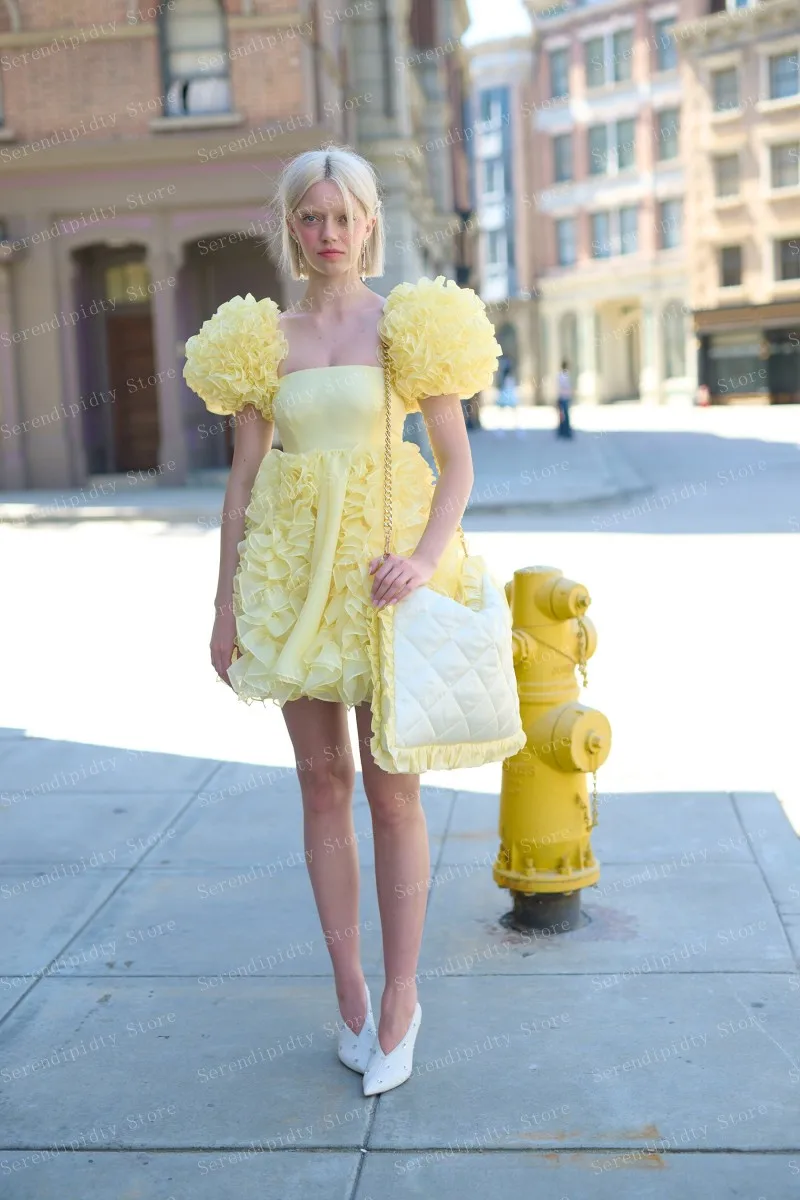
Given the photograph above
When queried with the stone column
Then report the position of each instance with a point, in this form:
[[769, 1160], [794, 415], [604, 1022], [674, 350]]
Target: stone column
[[651, 376], [586, 387], [163, 261], [12, 456], [40, 324]]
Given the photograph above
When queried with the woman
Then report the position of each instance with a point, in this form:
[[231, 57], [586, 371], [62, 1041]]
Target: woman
[[301, 566]]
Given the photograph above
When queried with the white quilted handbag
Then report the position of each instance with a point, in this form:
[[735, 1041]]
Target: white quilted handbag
[[444, 689]]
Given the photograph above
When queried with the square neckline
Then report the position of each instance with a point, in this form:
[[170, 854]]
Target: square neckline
[[330, 367]]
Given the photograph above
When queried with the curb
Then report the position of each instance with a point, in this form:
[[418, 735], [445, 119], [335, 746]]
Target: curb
[[617, 467]]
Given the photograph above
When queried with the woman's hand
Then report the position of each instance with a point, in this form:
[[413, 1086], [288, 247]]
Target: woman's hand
[[223, 637], [397, 577]]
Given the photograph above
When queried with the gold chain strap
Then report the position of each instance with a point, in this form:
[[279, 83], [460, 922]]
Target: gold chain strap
[[583, 646], [387, 462]]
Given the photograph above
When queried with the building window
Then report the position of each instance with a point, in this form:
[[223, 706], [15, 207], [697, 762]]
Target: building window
[[726, 175], [562, 157], [785, 165], [629, 230], [669, 224], [195, 59], [559, 74], [725, 89], [492, 108], [622, 50], [621, 138], [668, 128], [598, 150], [595, 60], [601, 235], [565, 241], [664, 41], [730, 266], [784, 75], [615, 232], [493, 176], [674, 340], [787, 259], [496, 252], [626, 143]]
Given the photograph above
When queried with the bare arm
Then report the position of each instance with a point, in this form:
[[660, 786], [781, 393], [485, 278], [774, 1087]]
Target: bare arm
[[447, 430], [252, 440], [444, 421]]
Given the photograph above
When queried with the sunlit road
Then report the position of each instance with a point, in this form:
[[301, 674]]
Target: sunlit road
[[695, 590]]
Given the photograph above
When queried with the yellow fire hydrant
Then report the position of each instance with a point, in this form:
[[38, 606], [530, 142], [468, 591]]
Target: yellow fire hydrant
[[545, 856]]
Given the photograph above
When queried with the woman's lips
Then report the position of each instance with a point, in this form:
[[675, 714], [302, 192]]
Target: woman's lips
[[330, 253]]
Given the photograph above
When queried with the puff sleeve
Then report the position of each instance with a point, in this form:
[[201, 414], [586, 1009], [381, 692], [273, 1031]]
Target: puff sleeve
[[439, 340], [233, 359]]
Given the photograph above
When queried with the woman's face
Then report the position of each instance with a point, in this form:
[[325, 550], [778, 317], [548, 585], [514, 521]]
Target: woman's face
[[320, 224]]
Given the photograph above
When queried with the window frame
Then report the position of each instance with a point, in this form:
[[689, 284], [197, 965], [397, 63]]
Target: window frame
[[663, 244], [165, 15], [733, 68], [558, 222], [669, 22], [792, 56], [793, 145], [721, 266], [558, 50], [561, 139], [717, 159], [662, 141], [777, 243]]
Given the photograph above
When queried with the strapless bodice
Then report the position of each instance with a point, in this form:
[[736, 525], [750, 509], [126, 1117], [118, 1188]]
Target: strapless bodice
[[334, 408]]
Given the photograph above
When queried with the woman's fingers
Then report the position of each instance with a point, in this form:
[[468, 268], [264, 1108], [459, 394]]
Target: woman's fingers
[[385, 581], [221, 658]]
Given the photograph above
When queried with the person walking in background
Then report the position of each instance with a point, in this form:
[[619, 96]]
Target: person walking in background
[[564, 401], [507, 398]]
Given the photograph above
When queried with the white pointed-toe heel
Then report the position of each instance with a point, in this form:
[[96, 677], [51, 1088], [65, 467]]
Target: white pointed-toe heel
[[385, 1071], [355, 1048]]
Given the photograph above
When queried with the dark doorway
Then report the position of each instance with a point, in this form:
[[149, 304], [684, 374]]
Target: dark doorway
[[135, 439]]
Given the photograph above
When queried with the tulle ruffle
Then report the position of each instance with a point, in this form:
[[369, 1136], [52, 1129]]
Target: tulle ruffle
[[440, 340], [275, 575], [233, 359]]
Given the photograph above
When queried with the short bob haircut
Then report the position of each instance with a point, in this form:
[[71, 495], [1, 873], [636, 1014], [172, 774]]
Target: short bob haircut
[[356, 179]]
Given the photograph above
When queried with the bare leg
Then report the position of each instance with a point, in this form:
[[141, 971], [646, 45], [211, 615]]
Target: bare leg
[[402, 870], [326, 771]]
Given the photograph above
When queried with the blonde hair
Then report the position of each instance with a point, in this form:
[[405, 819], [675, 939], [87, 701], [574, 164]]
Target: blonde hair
[[356, 179]]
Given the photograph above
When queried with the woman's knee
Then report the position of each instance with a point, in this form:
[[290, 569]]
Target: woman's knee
[[392, 805], [327, 786]]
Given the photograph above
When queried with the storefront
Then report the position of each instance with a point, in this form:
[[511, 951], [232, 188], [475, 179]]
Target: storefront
[[750, 355]]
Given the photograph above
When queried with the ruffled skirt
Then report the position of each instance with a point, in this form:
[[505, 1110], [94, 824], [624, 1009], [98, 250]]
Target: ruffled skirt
[[301, 593]]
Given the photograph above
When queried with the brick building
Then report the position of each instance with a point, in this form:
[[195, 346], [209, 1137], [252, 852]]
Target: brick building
[[139, 148], [607, 185], [742, 73]]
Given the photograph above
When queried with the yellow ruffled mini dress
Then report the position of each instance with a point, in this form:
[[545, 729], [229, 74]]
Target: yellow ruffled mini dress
[[315, 518]]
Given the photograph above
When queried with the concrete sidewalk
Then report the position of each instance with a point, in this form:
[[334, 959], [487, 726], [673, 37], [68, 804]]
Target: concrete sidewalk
[[529, 469], [167, 1011]]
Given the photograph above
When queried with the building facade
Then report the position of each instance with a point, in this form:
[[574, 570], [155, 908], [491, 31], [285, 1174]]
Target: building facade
[[139, 152], [501, 149], [606, 192], [742, 146]]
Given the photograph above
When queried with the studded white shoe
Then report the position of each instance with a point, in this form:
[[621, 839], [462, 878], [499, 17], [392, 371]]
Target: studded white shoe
[[385, 1071], [354, 1048]]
